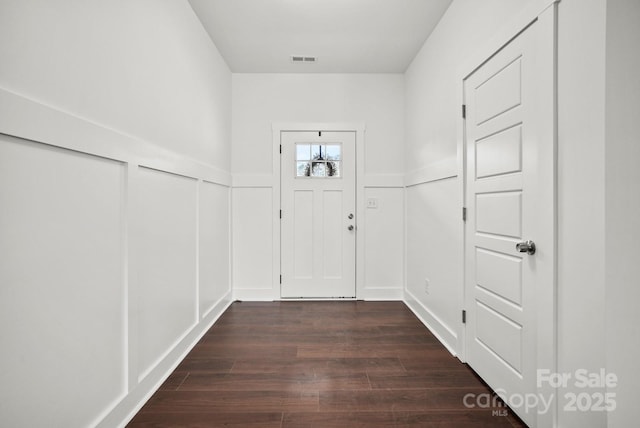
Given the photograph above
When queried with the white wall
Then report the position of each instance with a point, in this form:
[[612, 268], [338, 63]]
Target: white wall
[[622, 215], [115, 188], [581, 282], [143, 67], [432, 101], [259, 100], [434, 202]]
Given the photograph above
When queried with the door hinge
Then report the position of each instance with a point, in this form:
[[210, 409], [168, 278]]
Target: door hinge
[[280, 213], [280, 278], [464, 213], [464, 316], [280, 148], [464, 111]]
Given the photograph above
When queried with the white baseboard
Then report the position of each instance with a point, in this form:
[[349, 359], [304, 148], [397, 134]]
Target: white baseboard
[[447, 337], [254, 294], [124, 412], [269, 295], [381, 294]]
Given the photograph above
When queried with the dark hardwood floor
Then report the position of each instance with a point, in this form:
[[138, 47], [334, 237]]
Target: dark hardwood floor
[[320, 364]]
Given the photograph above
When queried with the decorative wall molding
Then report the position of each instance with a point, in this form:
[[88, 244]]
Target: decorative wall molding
[[32, 120], [131, 404], [440, 170], [27, 122], [252, 180], [384, 180]]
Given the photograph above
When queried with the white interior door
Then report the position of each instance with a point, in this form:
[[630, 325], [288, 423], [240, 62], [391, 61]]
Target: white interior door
[[507, 163], [318, 224]]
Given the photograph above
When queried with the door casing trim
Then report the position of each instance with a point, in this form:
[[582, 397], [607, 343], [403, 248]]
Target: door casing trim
[[277, 129]]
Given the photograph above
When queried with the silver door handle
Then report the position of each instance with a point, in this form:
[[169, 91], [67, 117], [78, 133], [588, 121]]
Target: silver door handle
[[528, 247], [350, 227]]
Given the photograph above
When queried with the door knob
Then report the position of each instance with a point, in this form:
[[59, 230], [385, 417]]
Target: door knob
[[528, 247], [350, 216], [350, 227]]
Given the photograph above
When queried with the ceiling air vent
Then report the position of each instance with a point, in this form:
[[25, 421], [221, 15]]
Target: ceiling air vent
[[301, 59]]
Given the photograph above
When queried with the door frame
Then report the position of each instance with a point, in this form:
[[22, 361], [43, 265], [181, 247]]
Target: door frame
[[544, 14], [359, 129]]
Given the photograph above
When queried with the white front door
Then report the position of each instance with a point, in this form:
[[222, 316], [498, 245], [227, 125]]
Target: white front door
[[318, 224], [509, 203]]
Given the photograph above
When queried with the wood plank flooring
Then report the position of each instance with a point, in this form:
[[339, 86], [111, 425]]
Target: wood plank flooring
[[320, 364]]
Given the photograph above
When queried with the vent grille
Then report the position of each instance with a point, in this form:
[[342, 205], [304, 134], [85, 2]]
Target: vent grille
[[303, 59]]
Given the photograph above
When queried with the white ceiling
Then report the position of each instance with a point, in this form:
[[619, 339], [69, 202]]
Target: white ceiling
[[347, 36]]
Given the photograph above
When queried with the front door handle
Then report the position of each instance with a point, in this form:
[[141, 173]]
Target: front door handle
[[350, 227], [528, 247]]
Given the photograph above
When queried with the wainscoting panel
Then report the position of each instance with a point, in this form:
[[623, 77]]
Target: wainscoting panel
[[383, 243], [252, 243], [254, 270], [114, 261], [62, 287], [434, 245], [214, 231], [166, 256]]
